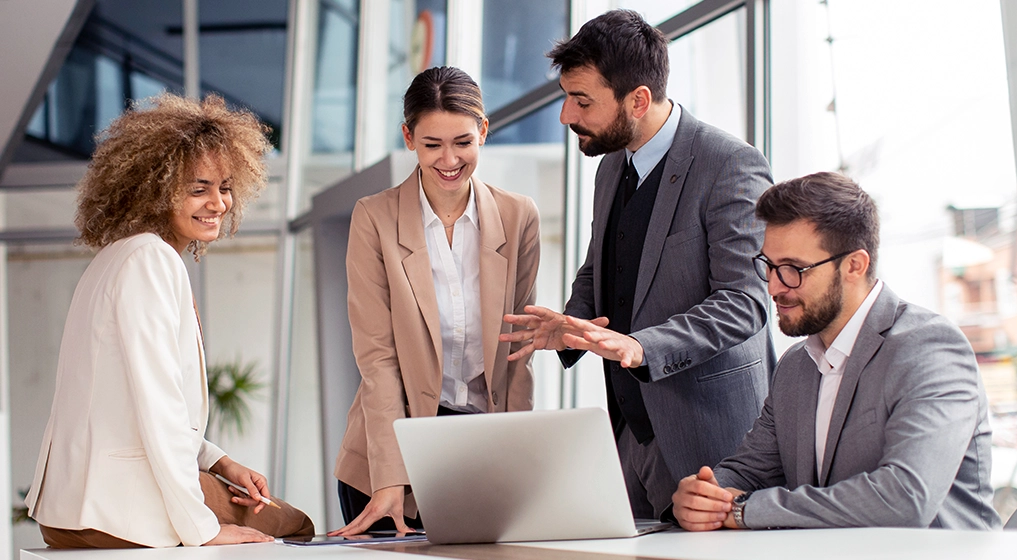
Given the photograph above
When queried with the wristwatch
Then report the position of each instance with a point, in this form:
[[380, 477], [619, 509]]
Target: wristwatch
[[738, 509]]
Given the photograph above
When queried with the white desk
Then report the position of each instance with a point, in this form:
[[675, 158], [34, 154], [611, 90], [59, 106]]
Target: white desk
[[917, 544]]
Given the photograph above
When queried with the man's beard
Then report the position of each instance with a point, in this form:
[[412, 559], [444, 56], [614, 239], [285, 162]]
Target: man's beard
[[814, 320], [616, 136]]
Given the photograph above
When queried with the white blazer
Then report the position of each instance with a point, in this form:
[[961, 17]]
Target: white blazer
[[125, 438]]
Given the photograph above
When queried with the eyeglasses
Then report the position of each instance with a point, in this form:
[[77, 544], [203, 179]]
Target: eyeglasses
[[789, 275]]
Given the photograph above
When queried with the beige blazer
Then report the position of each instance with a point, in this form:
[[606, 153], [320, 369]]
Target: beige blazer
[[125, 437], [393, 313]]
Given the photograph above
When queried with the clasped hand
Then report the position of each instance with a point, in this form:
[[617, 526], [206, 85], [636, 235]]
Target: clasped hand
[[700, 504], [544, 329]]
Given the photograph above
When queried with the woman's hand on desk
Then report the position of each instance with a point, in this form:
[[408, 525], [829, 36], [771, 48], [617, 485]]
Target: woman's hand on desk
[[235, 534], [386, 502]]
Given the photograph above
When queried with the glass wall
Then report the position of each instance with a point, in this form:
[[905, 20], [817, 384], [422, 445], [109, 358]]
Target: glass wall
[[913, 105], [126, 50], [516, 36], [243, 55], [333, 117], [417, 37], [708, 73]]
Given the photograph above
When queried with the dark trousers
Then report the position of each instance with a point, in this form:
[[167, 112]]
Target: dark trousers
[[353, 502]]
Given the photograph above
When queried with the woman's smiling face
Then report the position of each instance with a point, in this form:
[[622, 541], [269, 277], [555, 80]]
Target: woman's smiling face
[[448, 148]]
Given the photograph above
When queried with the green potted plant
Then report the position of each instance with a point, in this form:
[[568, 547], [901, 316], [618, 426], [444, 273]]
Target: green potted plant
[[231, 385]]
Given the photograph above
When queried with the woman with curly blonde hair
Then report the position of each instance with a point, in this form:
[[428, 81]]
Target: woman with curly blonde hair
[[124, 461]]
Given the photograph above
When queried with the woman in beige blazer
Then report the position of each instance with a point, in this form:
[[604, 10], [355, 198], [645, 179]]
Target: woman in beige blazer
[[433, 265], [124, 458]]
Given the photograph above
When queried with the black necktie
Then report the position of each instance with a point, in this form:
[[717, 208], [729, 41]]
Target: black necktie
[[630, 180]]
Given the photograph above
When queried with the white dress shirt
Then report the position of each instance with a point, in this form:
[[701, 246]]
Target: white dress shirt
[[649, 154], [456, 274], [831, 363]]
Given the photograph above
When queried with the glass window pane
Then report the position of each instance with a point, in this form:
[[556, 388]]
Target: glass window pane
[[304, 461], [516, 36], [120, 38], [235, 273], [243, 55], [867, 96], [655, 11], [417, 42], [708, 73], [334, 112], [538, 171]]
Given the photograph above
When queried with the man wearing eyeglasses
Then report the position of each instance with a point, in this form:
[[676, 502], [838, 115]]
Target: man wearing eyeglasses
[[878, 418]]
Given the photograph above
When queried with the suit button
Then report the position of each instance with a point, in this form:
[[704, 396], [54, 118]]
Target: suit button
[[620, 269], [621, 235], [494, 397], [681, 365], [668, 369], [621, 301], [688, 361], [674, 178], [621, 400]]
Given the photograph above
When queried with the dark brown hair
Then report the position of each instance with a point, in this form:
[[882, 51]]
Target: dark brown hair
[[442, 88], [845, 216], [142, 162], [624, 49]]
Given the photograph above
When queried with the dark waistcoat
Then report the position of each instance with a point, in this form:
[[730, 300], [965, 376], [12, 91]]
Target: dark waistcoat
[[623, 247]]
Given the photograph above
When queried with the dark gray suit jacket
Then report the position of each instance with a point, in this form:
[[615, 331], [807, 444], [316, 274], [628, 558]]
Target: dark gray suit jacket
[[699, 309], [909, 440]]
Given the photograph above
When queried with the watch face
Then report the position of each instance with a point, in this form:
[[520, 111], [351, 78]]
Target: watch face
[[742, 498]]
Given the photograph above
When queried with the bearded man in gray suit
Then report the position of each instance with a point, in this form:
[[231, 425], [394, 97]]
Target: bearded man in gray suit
[[667, 296], [878, 418]]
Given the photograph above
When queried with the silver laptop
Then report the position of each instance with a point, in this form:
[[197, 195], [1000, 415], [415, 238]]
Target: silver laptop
[[518, 476]]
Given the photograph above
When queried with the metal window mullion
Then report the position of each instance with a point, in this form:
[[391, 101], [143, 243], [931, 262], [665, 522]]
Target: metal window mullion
[[299, 81]]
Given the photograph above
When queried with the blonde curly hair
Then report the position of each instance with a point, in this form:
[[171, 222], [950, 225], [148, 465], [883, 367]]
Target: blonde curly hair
[[144, 160]]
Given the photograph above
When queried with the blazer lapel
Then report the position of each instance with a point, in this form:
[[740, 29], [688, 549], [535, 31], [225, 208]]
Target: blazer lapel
[[676, 168], [493, 276], [417, 265], [805, 472], [870, 338]]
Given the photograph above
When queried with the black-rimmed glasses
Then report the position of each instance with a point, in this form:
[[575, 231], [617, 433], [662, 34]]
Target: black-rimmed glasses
[[789, 275]]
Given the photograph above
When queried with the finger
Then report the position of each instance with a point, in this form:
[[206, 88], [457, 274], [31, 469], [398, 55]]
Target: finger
[[600, 321], [360, 524], [581, 325], [521, 353], [261, 483], [530, 321], [577, 342], [709, 490], [706, 473], [400, 524], [259, 507], [541, 313], [516, 336], [707, 505]]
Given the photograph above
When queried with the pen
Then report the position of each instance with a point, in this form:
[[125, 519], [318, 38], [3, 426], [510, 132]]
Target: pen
[[229, 482]]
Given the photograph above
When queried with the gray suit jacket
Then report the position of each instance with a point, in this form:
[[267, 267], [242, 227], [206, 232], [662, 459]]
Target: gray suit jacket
[[699, 309], [908, 444]]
